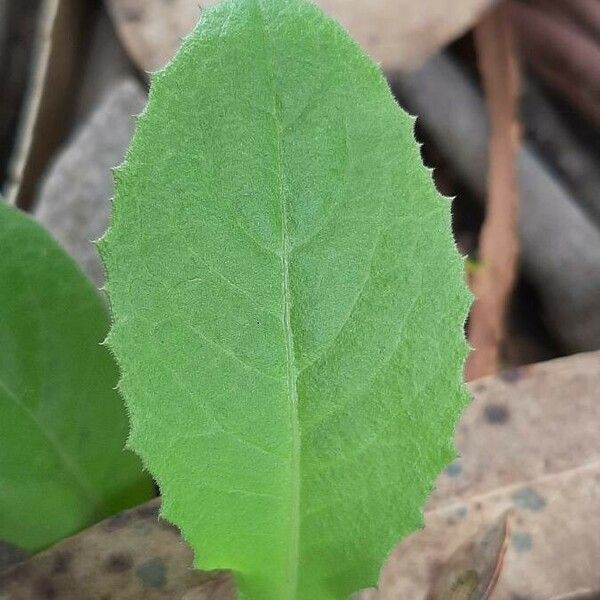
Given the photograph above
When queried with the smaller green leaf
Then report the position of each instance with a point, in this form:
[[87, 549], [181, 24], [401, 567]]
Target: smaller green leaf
[[62, 424]]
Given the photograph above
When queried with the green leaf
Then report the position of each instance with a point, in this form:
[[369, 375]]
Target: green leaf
[[62, 424], [288, 303]]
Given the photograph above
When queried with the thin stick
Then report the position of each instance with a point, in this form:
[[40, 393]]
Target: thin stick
[[493, 282]]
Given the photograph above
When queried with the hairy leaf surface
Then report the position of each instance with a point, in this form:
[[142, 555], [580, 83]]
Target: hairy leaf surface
[[288, 303], [62, 424]]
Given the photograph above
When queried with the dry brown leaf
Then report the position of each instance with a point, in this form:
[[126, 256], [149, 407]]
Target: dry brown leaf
[[400, 34], [472, 572], [127, 557], [531, 422], [493, 282]]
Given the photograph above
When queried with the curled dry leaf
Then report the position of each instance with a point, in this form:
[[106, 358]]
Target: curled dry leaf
[[473, 570], [400, 34]]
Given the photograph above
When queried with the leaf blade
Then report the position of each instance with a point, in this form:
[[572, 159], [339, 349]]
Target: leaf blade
[[62, 467], [276, 293]]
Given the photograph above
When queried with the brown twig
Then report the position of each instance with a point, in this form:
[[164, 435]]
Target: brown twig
[[493, 282]]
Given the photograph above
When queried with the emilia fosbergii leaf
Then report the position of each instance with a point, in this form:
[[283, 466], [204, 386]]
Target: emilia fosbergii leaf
[[288, 303], [62, 423]]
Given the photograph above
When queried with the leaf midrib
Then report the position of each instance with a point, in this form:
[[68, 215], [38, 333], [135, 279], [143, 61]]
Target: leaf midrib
[[291, 365], [292, 374]]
